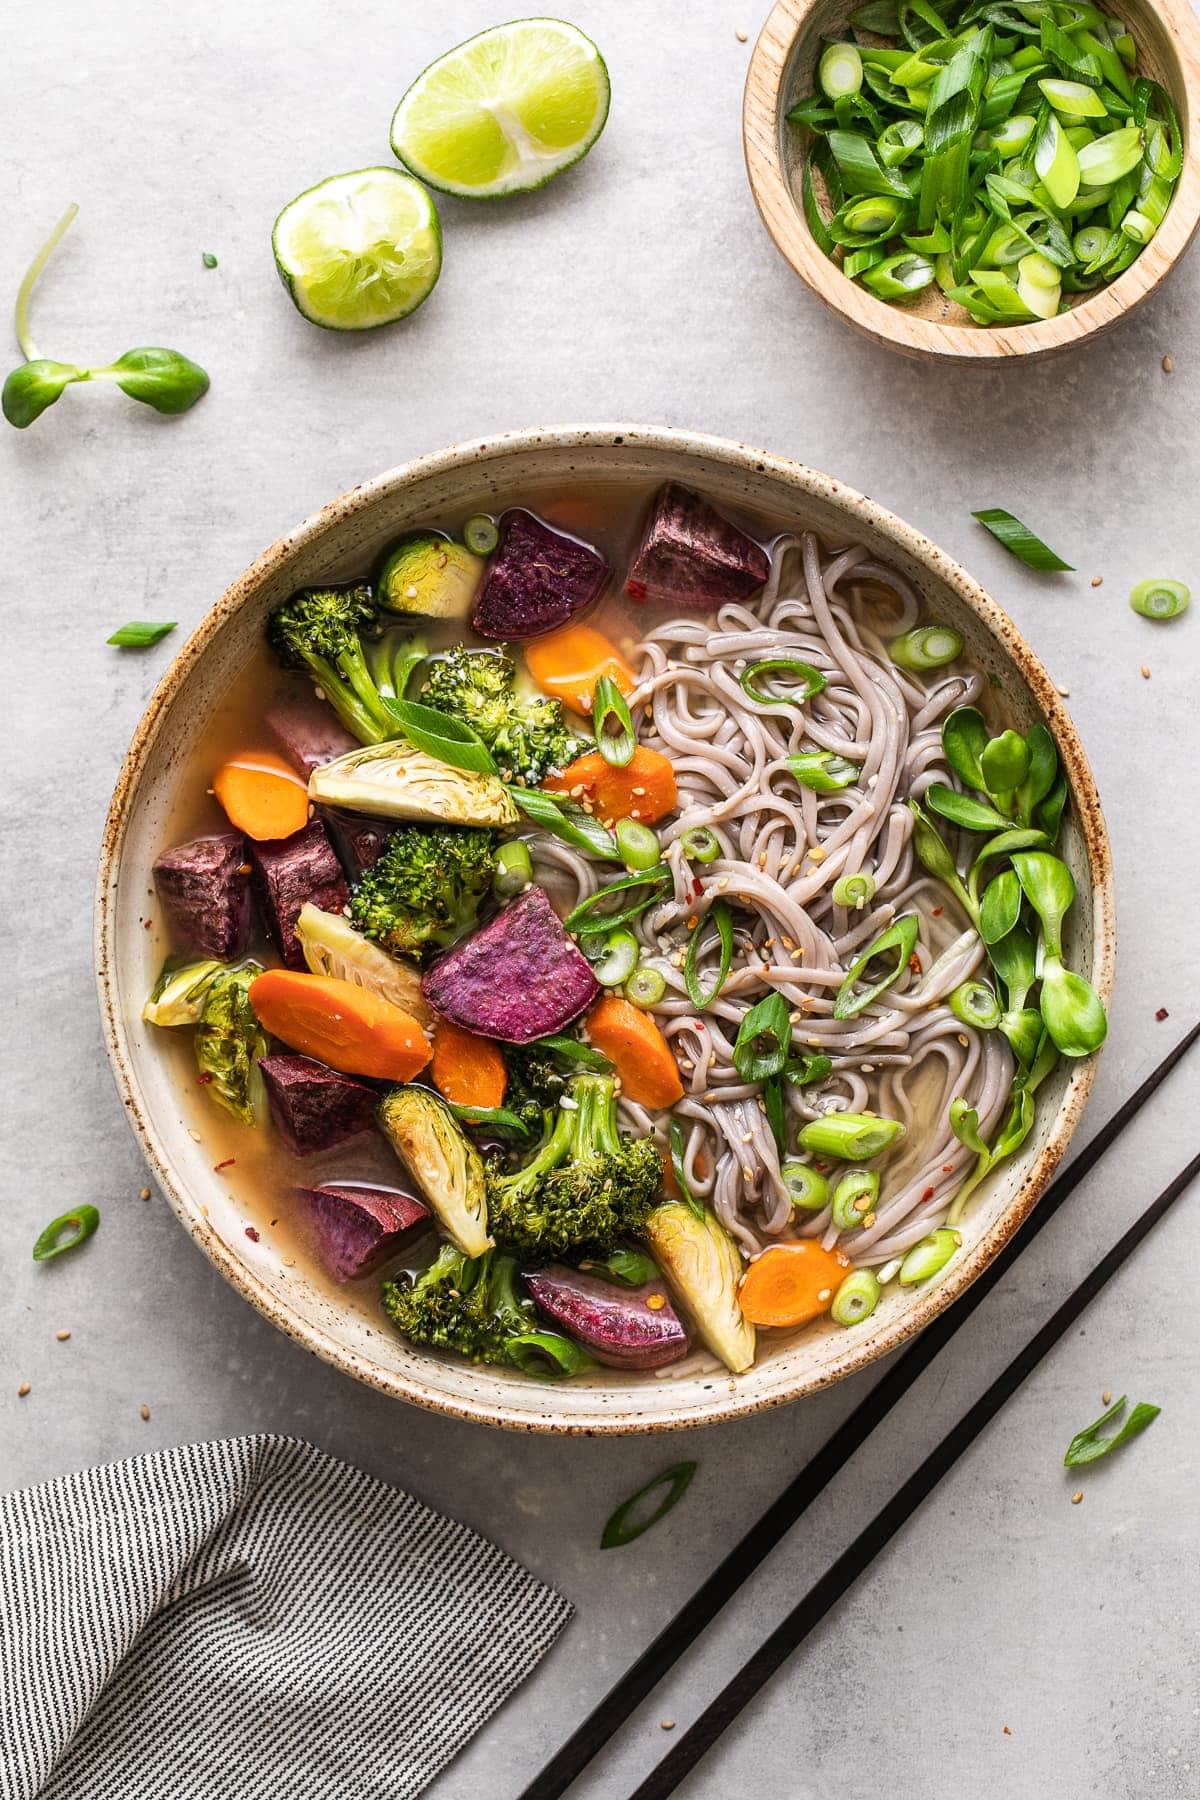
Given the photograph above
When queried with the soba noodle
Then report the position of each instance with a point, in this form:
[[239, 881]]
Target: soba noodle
[[782, 849]]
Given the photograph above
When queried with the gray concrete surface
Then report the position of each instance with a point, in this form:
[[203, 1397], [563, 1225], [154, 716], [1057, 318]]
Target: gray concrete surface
[[640, 287]]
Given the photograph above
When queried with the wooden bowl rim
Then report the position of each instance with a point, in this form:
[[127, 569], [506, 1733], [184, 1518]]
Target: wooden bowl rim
[[892, 325]]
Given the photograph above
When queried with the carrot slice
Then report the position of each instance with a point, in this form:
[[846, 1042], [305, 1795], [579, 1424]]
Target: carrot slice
[[637, 1050], [340, 1024], [569, 663], [263, 795], [789, 1284], [467, 1070], [644, 789]]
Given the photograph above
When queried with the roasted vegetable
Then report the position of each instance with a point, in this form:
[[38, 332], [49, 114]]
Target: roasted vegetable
[[691, 555], [316, 1107], [584, 1188], [538, 580], [442, 1161], [290, 872], [521, 977], [204, 888], [425, 889], [472, 1307], [331, 946], [308, 732], [353, 1228], [701, 1262], [229, 1041], [429, 576], [395, 781], [622, 1327], [525, 733], [341, 1024], [178, 996], [358, 841], [321, 631]]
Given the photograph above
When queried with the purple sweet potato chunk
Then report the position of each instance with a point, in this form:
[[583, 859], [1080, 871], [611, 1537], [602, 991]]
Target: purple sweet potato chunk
[[308, 732], [538, 580], [358, 841], [353, 1228], [313, 1106], [289, 871], [204, 887], [616, 1324], [517, 979], [692, 556]]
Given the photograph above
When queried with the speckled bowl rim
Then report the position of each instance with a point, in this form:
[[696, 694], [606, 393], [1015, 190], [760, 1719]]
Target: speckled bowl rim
[[718, 1408]]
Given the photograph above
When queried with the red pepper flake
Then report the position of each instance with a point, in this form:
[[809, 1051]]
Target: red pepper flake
[[636, 590], [1162, 1014], [227, 1164], [697, 886], [203, 1079], [914, 963], [147, 925], [947, 1168], [929, 1193], [252, 1234], [938, 911]]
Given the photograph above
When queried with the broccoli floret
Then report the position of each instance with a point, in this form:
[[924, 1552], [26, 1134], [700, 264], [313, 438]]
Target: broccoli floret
[[425, 889], [527, 734], [321, 630], [466, 1304], [584, 1188]]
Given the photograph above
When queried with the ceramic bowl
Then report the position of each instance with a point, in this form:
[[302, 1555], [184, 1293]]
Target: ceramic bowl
[[344, 538], [781, 71]]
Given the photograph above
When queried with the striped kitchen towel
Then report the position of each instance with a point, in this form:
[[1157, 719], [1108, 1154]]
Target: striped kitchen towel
[[248, 1619]]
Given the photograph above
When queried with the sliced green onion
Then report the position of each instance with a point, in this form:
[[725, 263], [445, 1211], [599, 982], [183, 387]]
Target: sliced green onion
[[1091, 241], [899, 277], [598, 913], [514, 869], [81, 1221], [617, 960], [139, 634], [1018, 540], [498, 1119], [571, 1050], [1073, 99], [1056, 163], [850, 1137], [480, 534], [810, 680], [807, 1188], [639, 846], [630, 1519], [1039, 285], [859, 168], [840, 71], [803, 1071], [900, 936], [562, 818], [1088, 1446], [1160, 599], [975, 1004], [775, 1107], [855, 261], [854, 1197], [925, 1259], [645, 988], [548, 1354], [613, 724], [678, 1153], [439, 735], [722, 918], [854, 890], [700, 845], [1011, 137], [898, 141], [763, 1040], [871, 216], [926, 647], [628, 1267], [856, 1298], [1109, 158], [823, 771]]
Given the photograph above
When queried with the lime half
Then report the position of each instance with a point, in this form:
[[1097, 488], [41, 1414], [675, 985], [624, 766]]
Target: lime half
[[359, 250], [505, 112]]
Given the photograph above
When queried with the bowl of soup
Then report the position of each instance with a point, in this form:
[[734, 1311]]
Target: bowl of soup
[[603, 930]]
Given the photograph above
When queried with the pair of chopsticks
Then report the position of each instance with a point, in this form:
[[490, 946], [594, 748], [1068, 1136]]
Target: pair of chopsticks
[[681, 1632]]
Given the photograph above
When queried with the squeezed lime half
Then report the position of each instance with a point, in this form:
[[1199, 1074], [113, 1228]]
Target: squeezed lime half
[[359, 250], [505, 112]]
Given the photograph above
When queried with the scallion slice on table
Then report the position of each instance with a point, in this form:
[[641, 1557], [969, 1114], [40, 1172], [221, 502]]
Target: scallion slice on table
[[1154, 599], [1018, 540], [980, 134], [1089, 1445], [140, 634], [80, 1223], [631, 1517]]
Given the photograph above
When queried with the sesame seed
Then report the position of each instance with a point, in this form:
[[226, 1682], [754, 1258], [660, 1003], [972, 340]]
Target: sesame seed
[[816, 854], [62, 1336], [194, 1135], [1106, 1397], [1168, 366], [1008, 1731], [868, 1221], [1076, 1497], [747, 1137], [747, 1174], [1097, 581], [1145, 672], [667, 1724], [144, 1410], [1062, 688], [825, 1294], [145, 1194], [741, 36], [23, 1390]]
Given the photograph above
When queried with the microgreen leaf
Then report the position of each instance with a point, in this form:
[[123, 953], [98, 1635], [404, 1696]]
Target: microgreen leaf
[[1088, 1445], [139, 634], [1018, 540]]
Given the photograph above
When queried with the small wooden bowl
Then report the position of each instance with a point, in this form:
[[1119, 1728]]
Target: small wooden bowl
[[782, 71]]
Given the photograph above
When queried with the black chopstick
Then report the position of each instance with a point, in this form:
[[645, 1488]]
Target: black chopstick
[[594, 1733], [665, 1777]]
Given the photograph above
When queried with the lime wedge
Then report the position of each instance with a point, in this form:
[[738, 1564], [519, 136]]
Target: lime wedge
[[359, 250], [505, 112]]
